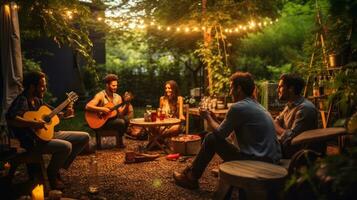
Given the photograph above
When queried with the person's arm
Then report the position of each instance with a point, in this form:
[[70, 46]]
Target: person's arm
[[211, 122], [161, 105], [92, 104], [305, 119], [16, 111], [180, 107], [130, 114], [278, 123], [229, 123], [25, 123]]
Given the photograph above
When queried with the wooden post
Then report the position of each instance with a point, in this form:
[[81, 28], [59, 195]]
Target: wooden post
[[207, 42], [187, 107]]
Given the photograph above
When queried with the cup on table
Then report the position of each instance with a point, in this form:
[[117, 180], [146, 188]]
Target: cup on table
[[162, 115], [153, 116]]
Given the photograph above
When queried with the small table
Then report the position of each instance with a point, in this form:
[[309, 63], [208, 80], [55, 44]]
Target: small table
[[220, 113], [155, 129]]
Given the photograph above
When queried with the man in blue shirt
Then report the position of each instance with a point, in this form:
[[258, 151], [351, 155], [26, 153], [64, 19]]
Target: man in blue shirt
[[252, 125]]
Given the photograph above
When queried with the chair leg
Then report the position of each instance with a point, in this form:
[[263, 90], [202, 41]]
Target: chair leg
[[99, 142], [222, 190], [12, 170], [119, 141], [44, 175]]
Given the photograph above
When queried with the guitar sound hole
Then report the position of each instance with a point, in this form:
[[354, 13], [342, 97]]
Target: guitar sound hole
[[47, 119], [100, 115]]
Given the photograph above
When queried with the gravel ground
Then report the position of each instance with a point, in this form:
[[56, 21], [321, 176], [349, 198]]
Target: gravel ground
[[148, 180]]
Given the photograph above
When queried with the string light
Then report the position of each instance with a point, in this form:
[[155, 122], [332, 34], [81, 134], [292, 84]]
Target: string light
[[140, 24]]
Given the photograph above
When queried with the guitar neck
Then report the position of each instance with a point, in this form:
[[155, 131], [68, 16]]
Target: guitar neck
[[59, 108], [119, 105]]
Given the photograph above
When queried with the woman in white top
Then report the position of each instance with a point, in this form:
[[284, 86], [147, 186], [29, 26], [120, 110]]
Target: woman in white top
[[172, 105]]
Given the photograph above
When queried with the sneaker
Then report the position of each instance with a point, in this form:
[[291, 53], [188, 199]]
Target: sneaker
[[185, 179]]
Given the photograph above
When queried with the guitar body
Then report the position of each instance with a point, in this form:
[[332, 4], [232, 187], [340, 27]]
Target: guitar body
[[96, 120], [46, 133]]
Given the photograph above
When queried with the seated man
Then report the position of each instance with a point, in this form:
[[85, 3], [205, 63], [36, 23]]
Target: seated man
[[252, 124], [65, 145], [125, 112], [299, 114]]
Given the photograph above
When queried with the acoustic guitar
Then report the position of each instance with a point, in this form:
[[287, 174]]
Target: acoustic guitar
[[49, 116], [96, 120]]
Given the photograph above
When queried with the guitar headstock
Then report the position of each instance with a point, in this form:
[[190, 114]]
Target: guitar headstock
[[72, 96]]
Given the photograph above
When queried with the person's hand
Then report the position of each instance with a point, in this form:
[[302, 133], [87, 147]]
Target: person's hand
[[214, 117], [38, 124], [105, 110], [128, 96], [60, 114], [204, 113]]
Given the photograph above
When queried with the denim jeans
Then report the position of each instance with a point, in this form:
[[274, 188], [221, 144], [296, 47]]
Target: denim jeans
[[64, 148], [118, 124], [212, 144]]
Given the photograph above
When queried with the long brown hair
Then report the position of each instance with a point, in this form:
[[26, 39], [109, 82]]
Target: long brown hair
[[174, 88]]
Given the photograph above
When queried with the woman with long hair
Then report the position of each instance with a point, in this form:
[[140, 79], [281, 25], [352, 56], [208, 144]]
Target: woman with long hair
[[172, 105]]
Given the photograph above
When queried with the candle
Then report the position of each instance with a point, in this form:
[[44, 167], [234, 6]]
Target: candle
[[37, 193]]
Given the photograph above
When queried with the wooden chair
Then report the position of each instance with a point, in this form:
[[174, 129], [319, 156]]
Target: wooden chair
[[21, 156], [104, 133]]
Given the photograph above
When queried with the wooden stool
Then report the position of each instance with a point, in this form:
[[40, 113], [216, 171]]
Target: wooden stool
[[255, 177], [103, 133], [27, 157]]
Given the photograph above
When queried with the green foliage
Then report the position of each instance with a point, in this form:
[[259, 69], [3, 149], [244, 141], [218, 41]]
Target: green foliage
[[277, 71], [66, 22], [333, 177], [279, 45], [142, 69], [212, 58], [345, 85], [30, 65]]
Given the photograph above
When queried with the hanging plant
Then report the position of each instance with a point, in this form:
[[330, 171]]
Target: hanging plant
[[214, 56]]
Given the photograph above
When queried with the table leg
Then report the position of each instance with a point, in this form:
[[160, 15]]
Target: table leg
[[156, 134]]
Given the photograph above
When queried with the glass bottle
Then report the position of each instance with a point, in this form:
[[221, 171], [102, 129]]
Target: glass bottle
[[93, 181], [327, 85], [315, 88], [147, 114]]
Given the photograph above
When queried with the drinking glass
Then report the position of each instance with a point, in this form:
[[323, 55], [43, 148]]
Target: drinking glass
[[162, 115], [153, 116]]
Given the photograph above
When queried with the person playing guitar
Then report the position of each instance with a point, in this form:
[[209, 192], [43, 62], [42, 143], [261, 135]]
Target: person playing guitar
[[104, 104], [63, 145]]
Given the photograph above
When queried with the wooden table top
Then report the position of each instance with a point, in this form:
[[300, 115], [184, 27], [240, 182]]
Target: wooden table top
[[318, 135], [195, 111], [158, 122], [254, 170]]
